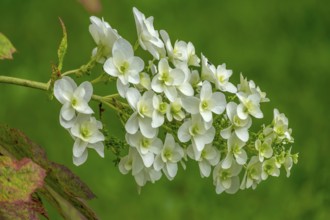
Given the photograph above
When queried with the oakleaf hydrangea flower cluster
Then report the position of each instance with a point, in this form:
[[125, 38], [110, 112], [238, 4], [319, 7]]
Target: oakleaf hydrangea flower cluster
[[175, 107]]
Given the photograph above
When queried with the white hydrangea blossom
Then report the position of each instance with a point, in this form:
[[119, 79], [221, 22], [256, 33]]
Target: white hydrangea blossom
[[87, 134], [133, 162], [168, 158], [124, 65], [250, 104], [210, 156], [173, 109], [249, 88], [74, 99], [281, 124], [207, 103], [235, 152], [194, 129], [237, 125], [264, 148], [167, 80], [226, 179], [142, 117], [160, 110], [104, 36], [222, 79], [252, 175], [147, 147], [148, 37], [181, 52], [269, 168]]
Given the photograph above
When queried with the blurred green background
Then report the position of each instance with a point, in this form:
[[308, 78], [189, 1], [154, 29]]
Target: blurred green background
[[284, 46]]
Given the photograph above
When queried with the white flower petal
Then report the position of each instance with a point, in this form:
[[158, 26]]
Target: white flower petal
[[122, 89], [242, 133], [80, 160], [220, 102], [99, 148], [191, 104], [227, 162], [97, 137], [204, 168], [110, 68], [157, 85], [183, 132], [209, 135], [186, 89], [132, 124], [136, 63], [133, 96], [157, 119], [64, 88], [207, 115], [79, 147], [206, 91], [199, 143], [88, 90], [241, 158], [148, 159], [171, 93], [158, 163], [241, 113], [82, 107], [172, 169], [146, 129], [226, 133], [67, 112], [178, 76], [125, 47], [231, 110], [234, 185]]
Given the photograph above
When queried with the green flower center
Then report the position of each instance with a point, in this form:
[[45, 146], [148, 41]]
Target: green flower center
[[221, 78], [123, 68], [163, 107], [195, 130], [269, 169], [236, 149], [85, 133], [74, 102], [145, 143], [205, 105], [168, 154], [165, 76], [225, 175], [175, 108], [144, 109]]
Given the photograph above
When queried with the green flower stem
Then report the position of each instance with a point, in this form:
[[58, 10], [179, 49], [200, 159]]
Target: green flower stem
[[101, 78], [136, 45], [70, 72], [23, 82], [109, 102]]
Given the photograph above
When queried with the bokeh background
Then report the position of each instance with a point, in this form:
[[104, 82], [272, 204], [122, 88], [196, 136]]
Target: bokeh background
[[284, 46]]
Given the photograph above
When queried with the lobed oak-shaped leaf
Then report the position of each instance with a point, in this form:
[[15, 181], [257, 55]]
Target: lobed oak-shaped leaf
[[18, 181], [62, 188]]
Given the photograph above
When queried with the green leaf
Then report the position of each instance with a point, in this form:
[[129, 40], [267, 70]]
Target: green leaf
[[63, 47], [62, 188], [6, 48], [18, 180]]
